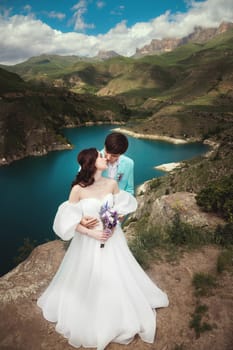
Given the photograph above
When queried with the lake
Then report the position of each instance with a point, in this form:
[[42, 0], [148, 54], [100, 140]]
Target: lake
[[32, 188]]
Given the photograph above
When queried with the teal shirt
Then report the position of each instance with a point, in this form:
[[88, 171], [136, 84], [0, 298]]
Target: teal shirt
[[125, 174]]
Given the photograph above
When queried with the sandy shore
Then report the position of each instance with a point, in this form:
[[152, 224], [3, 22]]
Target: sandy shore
[[163, 167], [168, 166], [151, 137]]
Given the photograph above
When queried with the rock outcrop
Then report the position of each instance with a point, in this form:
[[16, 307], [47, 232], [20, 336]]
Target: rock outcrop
[[22, 326], [200, 35], [163, 209]]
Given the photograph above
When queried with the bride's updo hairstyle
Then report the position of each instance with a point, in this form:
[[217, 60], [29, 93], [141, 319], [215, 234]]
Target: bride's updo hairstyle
[[86, 158]]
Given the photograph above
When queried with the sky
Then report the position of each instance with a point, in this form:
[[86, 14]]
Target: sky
[[70, 27]]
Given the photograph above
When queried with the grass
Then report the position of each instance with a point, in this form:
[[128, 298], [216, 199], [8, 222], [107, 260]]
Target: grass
[[178, 236], [155, 183], [224, 234], [225, 260], [179, 347], [204, 284], [221, 41], [148, 241], [144, 242], [25, 250], [11, 82], [184, 234], [197, 322]]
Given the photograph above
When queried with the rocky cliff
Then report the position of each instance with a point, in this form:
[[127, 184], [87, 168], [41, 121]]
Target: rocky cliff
[[22, 326], [32, 116], [200, 35], [163, 209]]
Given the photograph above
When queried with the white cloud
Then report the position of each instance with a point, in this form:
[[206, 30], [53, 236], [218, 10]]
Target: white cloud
[[100, 4], [118, 11], [27, 8], [58, 15], [24, 36], [80, 9]]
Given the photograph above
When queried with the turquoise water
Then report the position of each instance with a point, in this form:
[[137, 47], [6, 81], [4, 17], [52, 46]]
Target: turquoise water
[[31, 189]]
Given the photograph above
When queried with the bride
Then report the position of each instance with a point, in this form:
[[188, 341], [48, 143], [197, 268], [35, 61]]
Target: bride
[[99, 296]]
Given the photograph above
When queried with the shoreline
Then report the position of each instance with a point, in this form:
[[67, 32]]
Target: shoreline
[[42, 152], [213, 145], [167, 167], [151, 137]]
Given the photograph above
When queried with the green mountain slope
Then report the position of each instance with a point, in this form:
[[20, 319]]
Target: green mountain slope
[[184, 93], [42, 67], [187, 72], [10, 82], [31, 116]]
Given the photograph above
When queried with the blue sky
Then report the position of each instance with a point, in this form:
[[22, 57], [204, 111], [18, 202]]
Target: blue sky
[[83, 28], [93, 17]]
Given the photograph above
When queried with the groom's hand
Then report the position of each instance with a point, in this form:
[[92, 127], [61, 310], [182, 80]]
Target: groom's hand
[[121, 218], [89, 222]]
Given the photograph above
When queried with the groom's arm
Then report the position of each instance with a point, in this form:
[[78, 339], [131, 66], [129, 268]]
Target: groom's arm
[[89, 221]]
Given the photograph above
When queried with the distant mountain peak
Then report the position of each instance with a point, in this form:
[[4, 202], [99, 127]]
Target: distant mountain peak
[[224, 26], [199, 35], [104, 55]]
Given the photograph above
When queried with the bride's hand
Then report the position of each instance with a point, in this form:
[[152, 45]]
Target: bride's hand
[[99, 235]]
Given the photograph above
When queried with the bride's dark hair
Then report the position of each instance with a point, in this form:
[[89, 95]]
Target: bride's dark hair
[[86, 158]]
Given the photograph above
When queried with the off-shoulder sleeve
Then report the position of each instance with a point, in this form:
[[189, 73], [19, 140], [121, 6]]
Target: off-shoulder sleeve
[[66, 219], [124, 203]]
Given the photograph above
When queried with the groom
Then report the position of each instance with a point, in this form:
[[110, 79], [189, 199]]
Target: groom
[[120, 167]]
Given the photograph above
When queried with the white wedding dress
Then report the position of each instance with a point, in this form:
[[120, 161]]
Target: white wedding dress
[[100, 295]]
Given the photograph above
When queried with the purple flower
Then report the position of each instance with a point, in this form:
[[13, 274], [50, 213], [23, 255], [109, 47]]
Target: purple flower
[[109, 218]]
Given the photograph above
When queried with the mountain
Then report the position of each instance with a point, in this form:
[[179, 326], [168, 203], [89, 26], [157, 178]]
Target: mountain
[[136, 80], [41, 67], [199, 36], [105, 55], [11, 82], [32, 116], [158, 46], [185, 93]]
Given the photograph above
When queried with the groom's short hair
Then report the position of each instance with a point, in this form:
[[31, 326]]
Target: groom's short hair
[[116, 143]]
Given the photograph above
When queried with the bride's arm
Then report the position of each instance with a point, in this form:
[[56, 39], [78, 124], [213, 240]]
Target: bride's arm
[[75, 194], [74, 197], [96, 234]]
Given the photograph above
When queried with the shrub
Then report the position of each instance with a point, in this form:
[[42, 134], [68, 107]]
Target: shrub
[[217, 197], [155, 183], [224, 234], [203, 283], [144, 242], [225, 260], [181, 233], [140, 254], [25, 250], [196, 322]]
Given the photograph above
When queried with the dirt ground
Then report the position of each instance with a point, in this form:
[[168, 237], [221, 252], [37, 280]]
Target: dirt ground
[[22, 326]]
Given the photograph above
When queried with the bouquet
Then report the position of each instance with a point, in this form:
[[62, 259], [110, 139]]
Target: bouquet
[[109, 218]]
